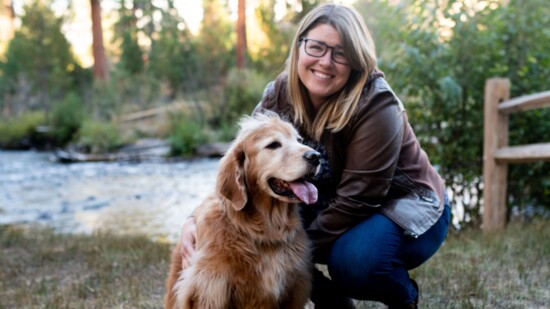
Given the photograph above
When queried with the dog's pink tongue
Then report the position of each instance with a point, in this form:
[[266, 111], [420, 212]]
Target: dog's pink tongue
[[305, 191]]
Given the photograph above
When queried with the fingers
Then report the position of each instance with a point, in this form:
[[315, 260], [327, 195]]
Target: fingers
[[186, 253], [188, 238]]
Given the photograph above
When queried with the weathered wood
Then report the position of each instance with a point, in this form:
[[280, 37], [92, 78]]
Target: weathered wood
[[153, 112], [527, 102], [495, 137], [151, 122], [496, 152], [523, 153], [140, 150], [212, 150]]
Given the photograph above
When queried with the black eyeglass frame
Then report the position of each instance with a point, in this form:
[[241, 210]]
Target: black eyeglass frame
[[305, 40]]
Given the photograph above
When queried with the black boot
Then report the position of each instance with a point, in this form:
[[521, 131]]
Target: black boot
[[325, 296], [414, 304]]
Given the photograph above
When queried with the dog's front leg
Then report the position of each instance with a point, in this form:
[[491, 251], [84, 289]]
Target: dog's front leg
[[297, 295], [173, 275]]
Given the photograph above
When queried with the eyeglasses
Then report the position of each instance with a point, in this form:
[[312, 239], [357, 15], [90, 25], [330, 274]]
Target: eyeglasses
[[318, 49]]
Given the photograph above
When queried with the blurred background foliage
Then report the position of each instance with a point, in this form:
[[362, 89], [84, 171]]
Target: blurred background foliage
[[437, 56]]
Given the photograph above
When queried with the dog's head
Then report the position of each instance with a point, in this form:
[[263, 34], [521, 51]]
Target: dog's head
[[267, 157]]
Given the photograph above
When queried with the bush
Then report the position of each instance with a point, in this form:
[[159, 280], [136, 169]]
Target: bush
[[445, 102], [99, 137], [242, 92], [140, 91], [105, 100], [66, 118], [226, 132], [20, 132], [186, 136]]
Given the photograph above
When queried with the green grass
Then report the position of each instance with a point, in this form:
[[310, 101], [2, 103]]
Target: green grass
[[42, 269], [506, 269]]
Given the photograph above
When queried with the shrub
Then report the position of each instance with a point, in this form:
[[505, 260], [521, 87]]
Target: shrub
[[243, 91], [99, 136], [19, 132], [66, 118], [226, 132], [186, 136], [105, 100]]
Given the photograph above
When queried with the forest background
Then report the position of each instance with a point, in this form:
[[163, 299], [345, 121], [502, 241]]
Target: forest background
[[437, 56]]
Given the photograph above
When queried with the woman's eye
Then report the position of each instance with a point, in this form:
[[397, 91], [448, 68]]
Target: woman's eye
[[339, 54], [273, 145]]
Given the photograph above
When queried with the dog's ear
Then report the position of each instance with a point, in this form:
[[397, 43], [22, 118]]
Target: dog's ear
[[231, 178]]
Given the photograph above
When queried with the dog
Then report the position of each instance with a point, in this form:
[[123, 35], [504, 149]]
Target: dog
[[251, 249]]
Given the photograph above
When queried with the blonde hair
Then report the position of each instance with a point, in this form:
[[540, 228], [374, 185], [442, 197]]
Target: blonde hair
[[359, 48]]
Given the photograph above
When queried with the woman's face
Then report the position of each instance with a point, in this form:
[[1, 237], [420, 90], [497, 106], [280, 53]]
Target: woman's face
[[322, 76]]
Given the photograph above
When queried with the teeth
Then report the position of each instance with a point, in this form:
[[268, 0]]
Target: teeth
[[321, 75]]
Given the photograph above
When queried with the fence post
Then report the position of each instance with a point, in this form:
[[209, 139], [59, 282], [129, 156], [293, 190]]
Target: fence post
[[495, 126]]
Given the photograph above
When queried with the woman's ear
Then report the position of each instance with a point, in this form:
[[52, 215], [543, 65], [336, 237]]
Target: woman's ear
[[231, 178]]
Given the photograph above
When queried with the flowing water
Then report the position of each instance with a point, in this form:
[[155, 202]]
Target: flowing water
[[150, 198]]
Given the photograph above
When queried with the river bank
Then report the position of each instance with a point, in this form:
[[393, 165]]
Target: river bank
[[149, 198]]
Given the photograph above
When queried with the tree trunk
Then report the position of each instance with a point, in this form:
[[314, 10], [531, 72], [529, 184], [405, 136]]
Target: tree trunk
[[101, 66], [241, 35]]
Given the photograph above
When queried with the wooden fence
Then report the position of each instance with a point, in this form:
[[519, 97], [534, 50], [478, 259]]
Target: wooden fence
[[497, 154]]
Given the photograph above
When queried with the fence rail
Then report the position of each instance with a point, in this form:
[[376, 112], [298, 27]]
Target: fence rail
[[497, 154]]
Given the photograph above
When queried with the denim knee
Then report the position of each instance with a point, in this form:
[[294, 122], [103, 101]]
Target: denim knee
[[363, 256]]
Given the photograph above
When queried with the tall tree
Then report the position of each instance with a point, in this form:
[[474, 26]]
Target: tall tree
[[173, 58], [270, 57], [241, 35], [126, 33], [101, 66], [215, 42], [39, 64]]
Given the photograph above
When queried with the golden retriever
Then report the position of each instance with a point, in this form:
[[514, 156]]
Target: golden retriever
[[252, 251]]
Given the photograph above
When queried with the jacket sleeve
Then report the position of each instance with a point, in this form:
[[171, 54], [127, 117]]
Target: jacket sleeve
[[371, 156]]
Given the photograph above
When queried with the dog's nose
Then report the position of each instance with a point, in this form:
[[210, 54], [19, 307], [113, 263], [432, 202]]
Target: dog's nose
[[312, 157]]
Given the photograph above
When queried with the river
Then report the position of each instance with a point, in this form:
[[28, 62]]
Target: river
[[150, 198]]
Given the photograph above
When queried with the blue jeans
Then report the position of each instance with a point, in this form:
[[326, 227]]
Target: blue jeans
[[371, 261]]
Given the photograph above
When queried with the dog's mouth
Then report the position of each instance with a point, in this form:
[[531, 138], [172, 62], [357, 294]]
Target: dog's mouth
[[299, 189]]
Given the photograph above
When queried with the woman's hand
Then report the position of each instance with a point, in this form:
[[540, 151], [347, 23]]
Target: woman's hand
[[188, 238]]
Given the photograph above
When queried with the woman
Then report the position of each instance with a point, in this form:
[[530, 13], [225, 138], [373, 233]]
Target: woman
[[382, 209]]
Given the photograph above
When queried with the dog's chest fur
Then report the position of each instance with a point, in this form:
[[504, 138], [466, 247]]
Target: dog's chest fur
[[261, 260]]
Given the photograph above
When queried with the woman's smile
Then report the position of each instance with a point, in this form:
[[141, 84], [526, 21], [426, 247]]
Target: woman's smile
[[322, 75]]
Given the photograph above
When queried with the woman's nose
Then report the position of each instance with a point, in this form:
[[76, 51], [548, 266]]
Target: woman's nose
[[326, 59]]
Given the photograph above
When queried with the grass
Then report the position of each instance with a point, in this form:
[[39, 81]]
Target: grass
[[506, 269], [42, 269]]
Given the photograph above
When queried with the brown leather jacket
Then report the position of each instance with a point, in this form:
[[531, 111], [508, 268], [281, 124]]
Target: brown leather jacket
[[375, 164]]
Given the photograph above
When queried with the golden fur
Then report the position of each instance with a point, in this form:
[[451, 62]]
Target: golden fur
[[252, 251]]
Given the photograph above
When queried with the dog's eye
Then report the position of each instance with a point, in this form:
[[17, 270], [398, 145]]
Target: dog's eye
[[300, 140], [273, 145]]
